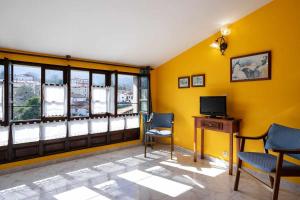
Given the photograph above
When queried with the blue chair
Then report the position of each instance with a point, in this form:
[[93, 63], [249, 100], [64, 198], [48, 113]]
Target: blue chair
[[280, 139], [160, 125]]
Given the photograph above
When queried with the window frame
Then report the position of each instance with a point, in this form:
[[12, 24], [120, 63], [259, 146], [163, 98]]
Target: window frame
[[67, 80], [116, 92], [43, 80], [4, 121], [70, 117], [107, 84], [10, 94], [140, 93]]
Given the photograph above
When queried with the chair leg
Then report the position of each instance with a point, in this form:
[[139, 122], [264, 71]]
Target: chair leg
[[277, 176], [151, 141], [172, 146], [276, 187], [271, 181], [237, 176], [145, 142]]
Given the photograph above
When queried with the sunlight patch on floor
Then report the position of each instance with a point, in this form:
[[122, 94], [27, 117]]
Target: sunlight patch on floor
[[52, 183], [212, 171], [18, 192], [80, 193], [159, 184], [83, 174], [194, 181]]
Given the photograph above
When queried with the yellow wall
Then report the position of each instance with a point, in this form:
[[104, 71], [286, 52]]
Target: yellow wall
[[274, 27], [73, 64]]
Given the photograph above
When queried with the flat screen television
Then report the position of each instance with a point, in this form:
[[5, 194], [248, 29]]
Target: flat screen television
[[213, 105]]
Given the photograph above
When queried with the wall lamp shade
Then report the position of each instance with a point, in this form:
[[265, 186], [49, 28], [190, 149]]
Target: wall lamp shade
[[220, 43], [225, 31], [215, 44]]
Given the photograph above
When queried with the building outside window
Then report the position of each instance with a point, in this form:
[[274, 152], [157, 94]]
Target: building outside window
[[79, 93], [127, 94], [26, 92]]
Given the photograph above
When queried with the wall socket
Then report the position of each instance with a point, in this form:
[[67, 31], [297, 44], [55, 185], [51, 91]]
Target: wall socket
[[225, 154]]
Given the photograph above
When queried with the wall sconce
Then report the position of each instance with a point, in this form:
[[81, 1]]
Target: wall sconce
[[220, 42]]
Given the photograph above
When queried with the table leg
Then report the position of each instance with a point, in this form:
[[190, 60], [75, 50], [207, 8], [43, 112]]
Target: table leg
[[238, 146], [202, 143], [230, 153], [195, 141]]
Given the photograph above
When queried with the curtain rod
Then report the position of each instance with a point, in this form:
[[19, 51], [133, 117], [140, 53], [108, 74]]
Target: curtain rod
[[69, 58]]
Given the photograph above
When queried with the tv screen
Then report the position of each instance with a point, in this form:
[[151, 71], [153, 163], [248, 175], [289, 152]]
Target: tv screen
[[213, 105]]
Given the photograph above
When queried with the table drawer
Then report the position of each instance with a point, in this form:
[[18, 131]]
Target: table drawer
[[212, 125]]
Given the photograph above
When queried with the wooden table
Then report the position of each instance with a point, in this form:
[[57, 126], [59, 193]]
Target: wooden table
[[226, 125]]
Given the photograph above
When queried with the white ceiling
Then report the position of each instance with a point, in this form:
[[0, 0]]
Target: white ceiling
[[139, 32]]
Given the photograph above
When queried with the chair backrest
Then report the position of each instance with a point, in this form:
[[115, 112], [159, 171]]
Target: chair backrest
[[162, 120], [282, 137]]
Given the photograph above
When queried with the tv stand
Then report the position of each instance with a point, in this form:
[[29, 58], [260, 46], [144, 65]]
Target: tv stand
[[226, 125]]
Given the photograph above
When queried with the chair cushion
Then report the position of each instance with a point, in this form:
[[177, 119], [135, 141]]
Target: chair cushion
[[266, 162], [282, 137], [159, 132], [162, 120]]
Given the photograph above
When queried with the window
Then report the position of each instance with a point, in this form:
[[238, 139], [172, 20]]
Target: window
[[3, 136], [144, 94], [99, 125], [55, 101], [98, 80], [79, 93], [116, 124], [53, 130], [111, 106], [25, 133], [1, 92], [127, 94], [132, 122], [99, 94], [55, 77], [55, 94], [26, 92], [78, 127]]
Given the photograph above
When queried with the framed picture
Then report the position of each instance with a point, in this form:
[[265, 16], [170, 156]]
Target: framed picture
[[198, 80], [184, 82], [251, 67]]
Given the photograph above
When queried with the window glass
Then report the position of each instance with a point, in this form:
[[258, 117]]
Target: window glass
[[144, 93], [26, 92], [98, 79], [1, 92], [111, 94], [1, 72], [55, 100], [79, 93], [127, 94], [54, 76]]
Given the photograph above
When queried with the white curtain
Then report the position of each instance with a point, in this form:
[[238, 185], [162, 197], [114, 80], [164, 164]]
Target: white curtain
[[55, 100], [78, 127], [25, 133], [3, 136], [132, 122], [111, 100], [116, 124], [1, 100], [53, 130], [99, 125], [99, 100]]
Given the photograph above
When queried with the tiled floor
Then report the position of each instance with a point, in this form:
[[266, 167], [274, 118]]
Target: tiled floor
[[126, 174]]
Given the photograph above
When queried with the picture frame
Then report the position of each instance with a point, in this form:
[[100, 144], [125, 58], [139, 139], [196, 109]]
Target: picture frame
[[198, 80], [184, 82], [251, 67]]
